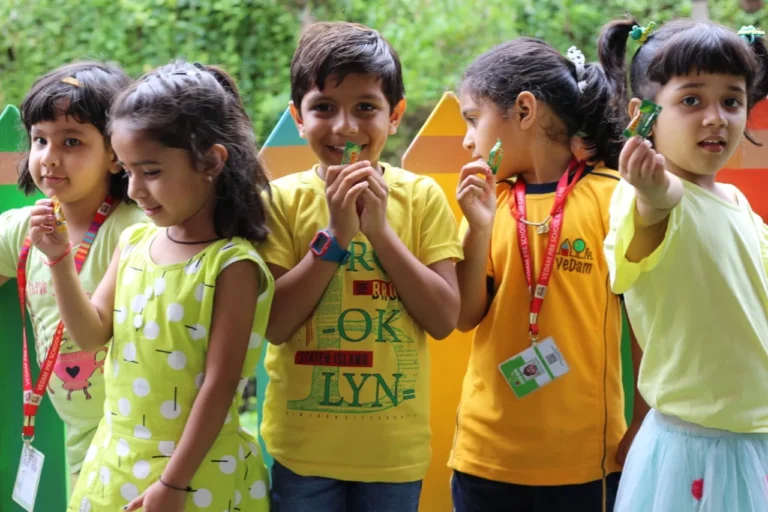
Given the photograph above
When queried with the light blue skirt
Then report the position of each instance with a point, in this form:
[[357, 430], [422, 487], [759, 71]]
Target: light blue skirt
[[676, 466]]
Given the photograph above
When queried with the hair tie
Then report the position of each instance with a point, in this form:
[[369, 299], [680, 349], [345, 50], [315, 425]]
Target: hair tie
[[749, 33], [199, 66], [641, 34], [577, 58], [71, 81]]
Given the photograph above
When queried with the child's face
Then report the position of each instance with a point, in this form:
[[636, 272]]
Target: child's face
[[702, 122], [355, 110], [69, 159], [162, 180], [486, 125]]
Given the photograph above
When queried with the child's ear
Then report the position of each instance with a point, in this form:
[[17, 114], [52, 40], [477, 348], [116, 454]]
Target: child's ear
[[114, 165], [526, 109], [397, 116], [634, 108], [296, 115], [215, 158]]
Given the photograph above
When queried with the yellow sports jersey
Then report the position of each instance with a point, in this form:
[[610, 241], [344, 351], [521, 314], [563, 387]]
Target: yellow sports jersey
[[568, 431], [699, 307], [348, 396]]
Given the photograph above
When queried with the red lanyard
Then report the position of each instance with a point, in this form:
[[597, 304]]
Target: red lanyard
[[518, 210], [33, 397]]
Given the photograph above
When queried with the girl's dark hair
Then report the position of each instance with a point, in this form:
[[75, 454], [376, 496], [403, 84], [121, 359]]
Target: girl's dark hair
[[193, 107], [678, 48], [526, 64], [87, 102]]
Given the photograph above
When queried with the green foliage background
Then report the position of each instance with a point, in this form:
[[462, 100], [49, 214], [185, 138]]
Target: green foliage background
[[255, 39]]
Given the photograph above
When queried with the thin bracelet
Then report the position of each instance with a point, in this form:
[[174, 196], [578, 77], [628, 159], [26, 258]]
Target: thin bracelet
[[182, 489], [57, 260]]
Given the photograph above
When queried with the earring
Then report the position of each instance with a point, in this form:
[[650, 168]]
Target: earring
[[209, 178]]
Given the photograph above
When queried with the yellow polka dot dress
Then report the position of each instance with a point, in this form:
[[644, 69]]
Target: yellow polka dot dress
[[154, 370]]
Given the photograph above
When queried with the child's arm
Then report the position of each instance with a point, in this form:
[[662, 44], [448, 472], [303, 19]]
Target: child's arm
[[299, 290], [297, 293], [658, 191], [234, 307], [429, 293], [477, 199], [89, 322]]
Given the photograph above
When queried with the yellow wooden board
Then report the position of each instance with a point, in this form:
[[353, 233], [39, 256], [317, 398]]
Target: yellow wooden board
[[437, 151]]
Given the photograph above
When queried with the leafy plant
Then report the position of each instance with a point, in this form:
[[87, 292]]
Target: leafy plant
[[255, 39]]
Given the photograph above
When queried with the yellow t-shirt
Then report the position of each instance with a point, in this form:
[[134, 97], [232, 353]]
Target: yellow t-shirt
[[568, 431], [348, 396], [76, 388], [699, 308]]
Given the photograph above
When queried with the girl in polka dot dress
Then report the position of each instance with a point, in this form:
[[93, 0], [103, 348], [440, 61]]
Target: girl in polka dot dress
[[185, 300]]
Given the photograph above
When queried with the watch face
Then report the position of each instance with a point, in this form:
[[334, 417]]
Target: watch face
[[321, 243]]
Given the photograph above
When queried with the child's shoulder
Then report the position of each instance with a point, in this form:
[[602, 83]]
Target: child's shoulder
[[295, 191], [17, 218], [233, 250], [601, 176], [134, 233], [397, 177], [601, 182], [297, 182], [14, 226], [237, 247]]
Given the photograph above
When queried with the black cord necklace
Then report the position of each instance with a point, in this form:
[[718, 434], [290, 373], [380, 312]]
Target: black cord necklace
[[168, 234]]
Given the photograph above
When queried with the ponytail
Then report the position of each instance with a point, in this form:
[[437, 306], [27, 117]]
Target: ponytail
[[612, 52], [604, 116], [759, 89]]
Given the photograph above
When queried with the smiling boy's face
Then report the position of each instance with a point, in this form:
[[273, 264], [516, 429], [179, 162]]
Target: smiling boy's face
[[355, 110]]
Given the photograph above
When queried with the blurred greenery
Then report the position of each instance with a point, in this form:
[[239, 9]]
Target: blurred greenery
[[255, 39]]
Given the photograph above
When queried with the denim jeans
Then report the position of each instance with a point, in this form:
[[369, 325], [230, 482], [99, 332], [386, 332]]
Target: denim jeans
[[296, 493]]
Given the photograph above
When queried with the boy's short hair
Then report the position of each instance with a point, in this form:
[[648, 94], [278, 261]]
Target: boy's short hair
[[338, 49]]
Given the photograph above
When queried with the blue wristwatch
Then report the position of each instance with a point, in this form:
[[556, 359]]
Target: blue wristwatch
[[327, 248]]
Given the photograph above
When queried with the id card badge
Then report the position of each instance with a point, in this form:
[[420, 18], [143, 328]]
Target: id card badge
[[28, 477], [534, 367]]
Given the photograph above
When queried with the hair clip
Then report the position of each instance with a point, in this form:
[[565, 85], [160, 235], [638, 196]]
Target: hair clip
[[641, 34], [71, 81], [577, 58], [199, 66], [749, 33]]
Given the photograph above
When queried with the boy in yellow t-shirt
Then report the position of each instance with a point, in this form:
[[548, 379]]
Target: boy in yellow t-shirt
[[363, 257]]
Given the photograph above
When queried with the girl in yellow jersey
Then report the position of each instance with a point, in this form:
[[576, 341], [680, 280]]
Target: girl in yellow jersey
[[541, 421]]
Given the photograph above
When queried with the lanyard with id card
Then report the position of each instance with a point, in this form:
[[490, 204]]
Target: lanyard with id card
[[542, 362], [31, 463]]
